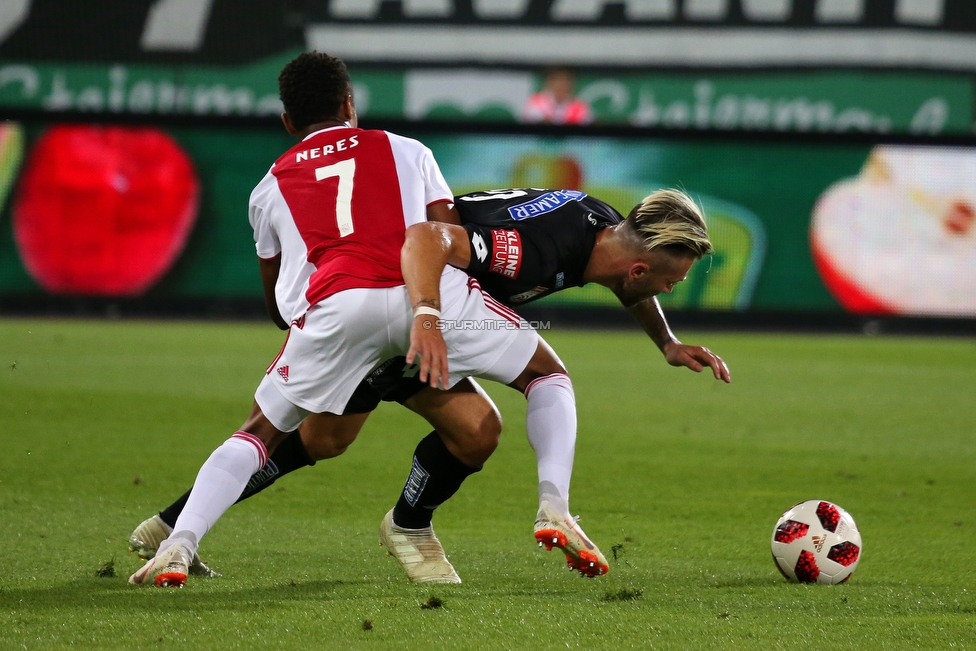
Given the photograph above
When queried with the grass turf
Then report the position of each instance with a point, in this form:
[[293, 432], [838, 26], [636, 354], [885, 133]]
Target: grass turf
[[679, 476]]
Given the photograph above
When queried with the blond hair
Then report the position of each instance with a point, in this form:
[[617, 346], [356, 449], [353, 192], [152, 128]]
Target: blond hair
[[670, 219]]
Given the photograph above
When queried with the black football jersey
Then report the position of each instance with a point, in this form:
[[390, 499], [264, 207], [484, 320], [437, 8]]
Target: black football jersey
[[527, 243]]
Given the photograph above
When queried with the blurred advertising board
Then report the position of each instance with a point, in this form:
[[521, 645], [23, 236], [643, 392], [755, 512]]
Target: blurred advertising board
[[811, 101], [800, 101], [809, 227], [902, 66], [798, 226]]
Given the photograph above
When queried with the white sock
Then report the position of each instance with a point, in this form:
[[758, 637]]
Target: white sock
[[550, 421], [219, 483]]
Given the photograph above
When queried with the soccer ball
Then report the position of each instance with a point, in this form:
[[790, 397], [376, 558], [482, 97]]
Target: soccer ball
[[816, 542]]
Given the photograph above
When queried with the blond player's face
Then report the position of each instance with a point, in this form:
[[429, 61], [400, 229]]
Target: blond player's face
[[673, 273], [659, 276]]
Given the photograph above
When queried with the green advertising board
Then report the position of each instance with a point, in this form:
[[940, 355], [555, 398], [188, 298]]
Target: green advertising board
[[218, 259], [797, 226], [804, 101], [758, 199], [831, 101], [819, 101]]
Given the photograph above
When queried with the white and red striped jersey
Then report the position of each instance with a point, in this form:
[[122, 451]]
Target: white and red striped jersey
[[336, 207]]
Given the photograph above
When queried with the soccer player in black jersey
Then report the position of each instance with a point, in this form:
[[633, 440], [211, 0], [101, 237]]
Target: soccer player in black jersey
[[524, 244], [520, 245]]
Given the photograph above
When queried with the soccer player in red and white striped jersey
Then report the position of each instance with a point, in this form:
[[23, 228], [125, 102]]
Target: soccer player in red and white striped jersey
[[330, 220], [387, 181]]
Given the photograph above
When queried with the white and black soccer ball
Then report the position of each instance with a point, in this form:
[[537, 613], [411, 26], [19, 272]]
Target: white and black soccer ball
[[816, 542]]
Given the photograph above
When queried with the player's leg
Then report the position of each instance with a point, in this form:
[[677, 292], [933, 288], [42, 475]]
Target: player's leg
[[317, 438], [467, 426], [550, 423], [290, 455], [515, 355], [328, 352], [219, 483]]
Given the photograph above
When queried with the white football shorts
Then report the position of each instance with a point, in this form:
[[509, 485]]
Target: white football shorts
[[333, 346]]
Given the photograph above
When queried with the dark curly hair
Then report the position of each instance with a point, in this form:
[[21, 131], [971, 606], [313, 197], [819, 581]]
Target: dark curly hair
[[312, 87]]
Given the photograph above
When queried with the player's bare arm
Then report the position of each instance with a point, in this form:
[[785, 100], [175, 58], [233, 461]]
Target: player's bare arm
[[444, 213], [269, 277], [651, 318], [427, 249]]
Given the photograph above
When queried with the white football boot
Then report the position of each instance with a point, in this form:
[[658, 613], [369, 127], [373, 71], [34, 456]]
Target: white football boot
[[145, 540], [167, 569], [419, 552]]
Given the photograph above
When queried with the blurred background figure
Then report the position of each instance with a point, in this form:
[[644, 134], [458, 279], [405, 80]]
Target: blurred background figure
[[556, 103]]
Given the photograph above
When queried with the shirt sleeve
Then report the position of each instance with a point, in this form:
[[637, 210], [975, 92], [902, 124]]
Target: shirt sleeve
[[265, 238], [435, 187], [480, 240]]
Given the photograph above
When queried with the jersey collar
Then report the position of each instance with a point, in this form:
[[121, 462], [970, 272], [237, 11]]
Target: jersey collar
[[315, 133]]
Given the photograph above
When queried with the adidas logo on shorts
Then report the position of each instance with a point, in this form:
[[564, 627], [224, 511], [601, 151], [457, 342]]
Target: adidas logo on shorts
[[283, 372]]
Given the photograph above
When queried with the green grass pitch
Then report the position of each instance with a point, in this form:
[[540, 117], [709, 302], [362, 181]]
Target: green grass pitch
[[680, 476]]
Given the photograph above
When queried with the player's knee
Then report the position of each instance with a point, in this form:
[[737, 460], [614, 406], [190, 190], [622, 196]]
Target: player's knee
[[475, 439], [325, 445], [537, 372], [326, 436], [544, 362], [489, 434], [320, 449], [490, 431]]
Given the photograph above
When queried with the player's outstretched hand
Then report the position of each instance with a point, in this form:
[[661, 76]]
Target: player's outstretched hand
[[696, 358], [428, 348]]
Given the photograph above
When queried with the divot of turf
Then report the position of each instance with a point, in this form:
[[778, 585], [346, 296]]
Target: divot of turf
[[107, 570], [625, 594], [617, 549]]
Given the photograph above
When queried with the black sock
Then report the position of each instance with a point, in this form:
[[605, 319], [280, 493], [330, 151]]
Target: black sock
[[436, 475], [171, 512], [290, 455]]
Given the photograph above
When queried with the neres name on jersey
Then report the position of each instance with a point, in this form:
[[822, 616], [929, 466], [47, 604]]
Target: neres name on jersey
[[318, 152]]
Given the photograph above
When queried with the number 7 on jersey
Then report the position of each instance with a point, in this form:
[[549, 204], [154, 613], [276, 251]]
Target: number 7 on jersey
[[345, 170]]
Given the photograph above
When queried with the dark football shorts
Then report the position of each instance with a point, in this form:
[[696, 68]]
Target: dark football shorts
[[392, 381]]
